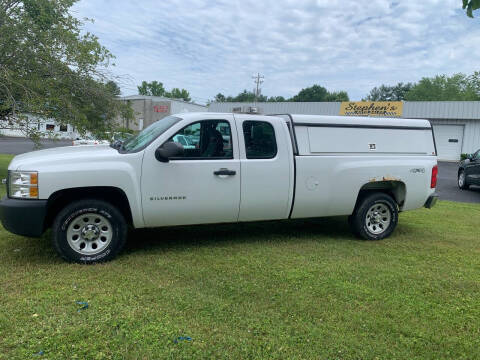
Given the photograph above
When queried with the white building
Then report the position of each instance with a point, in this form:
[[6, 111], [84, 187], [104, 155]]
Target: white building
[[456, 124], [48, 128]]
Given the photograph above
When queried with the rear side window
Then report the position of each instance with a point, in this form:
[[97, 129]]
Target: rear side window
[[260, 140]]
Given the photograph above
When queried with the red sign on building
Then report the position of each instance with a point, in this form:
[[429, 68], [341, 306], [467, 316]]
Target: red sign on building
[[160, 108]]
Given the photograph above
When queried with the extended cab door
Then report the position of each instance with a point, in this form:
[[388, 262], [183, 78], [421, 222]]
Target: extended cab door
[[266, 161], [203, 185]]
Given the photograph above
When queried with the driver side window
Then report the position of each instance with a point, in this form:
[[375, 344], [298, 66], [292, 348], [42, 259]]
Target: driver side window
[[476, 156], [207, 139]]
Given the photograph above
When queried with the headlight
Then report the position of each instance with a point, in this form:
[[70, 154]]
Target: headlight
[[23, 184]]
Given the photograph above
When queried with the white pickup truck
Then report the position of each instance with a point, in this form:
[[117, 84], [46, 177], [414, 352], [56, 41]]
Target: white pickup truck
[[243, 168]]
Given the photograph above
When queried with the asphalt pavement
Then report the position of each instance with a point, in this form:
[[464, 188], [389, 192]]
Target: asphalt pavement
[[447, 188], [15, 145]]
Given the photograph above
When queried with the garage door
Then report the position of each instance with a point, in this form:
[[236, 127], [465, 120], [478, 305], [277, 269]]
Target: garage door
[[449, 139]]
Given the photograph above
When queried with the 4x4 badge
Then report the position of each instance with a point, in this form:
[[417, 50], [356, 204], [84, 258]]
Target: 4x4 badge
[[417, 170]]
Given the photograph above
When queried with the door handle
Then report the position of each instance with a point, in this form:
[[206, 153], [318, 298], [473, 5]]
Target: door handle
[[224, 171]]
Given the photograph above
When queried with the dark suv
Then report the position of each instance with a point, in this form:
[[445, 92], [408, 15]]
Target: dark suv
[[469, 171]]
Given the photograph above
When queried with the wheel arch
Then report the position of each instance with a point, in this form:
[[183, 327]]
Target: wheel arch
[[394, 188], [113, 195]]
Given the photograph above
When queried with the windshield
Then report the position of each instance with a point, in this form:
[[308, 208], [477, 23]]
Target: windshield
[[147, 135]]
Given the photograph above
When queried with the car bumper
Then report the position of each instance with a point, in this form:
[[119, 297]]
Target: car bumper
[[23, 217], [431, 201]]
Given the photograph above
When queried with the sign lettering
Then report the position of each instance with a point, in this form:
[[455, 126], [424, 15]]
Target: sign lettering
[[160, 108], [372, 108]]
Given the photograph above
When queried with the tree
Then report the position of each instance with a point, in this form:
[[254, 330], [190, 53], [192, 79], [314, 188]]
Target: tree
[[246, 96], [389, 93], [113, 88], [337, 96], [319, 93], [219, 98], [177, 93], [153, 88], [313, 93], [48, 69], [156, 88], [458, 87], [471, 5], [276, 99]]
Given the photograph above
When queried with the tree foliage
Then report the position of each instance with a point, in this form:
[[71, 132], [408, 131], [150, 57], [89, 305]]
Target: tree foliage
[[244, 96], [48, 69], [113, 88], [319, 93], [219, 98], [155, 88], [389, 93], [313, 93], [458, 87], [276, 99], [177, 93], [470, 5]]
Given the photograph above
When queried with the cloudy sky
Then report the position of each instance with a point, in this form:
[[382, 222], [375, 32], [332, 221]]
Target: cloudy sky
[[216, 46]]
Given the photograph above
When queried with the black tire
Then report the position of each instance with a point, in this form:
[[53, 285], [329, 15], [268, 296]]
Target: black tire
[[358, 220], [351, 219], [465, 185], [92, 210]]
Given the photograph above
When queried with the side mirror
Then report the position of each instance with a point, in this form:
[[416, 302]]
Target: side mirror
[[117, 144], [168, 150]]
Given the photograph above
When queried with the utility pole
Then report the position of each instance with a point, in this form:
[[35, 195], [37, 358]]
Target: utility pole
[[258, 80]]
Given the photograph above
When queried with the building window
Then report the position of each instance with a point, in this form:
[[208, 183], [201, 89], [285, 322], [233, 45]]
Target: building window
[[63, 128], [50, 127]]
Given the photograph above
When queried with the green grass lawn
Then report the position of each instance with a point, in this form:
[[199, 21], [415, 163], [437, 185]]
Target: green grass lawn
[[283, 290]]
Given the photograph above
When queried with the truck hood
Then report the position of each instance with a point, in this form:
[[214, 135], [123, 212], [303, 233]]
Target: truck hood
[[70, 155]]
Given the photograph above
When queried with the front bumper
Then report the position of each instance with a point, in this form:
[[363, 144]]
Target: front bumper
[[431, 201], [23, 217]]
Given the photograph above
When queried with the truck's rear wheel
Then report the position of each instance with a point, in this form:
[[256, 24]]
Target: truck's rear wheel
[[89, 231], [375, 217]]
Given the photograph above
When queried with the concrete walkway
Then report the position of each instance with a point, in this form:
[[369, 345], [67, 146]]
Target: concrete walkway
[[17, 145]]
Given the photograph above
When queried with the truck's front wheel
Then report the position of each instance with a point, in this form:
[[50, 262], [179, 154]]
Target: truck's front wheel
[[89, 231], [375, 217]]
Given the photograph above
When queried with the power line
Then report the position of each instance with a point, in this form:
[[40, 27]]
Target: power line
[[258, 80]]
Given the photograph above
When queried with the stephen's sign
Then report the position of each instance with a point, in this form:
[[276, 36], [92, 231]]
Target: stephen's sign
[[372, 108]]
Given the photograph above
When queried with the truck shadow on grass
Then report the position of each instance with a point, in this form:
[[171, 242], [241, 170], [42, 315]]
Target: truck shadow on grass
[[184, 238], [321, 229]]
